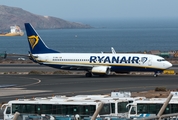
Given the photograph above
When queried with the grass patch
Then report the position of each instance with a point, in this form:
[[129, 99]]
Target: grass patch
[[62, 72], [36, 72], [161, 89]]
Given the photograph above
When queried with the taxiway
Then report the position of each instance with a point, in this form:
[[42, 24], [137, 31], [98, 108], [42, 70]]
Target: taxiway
[[28, 86]]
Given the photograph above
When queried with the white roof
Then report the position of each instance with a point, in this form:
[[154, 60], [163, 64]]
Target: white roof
[[78, 99]]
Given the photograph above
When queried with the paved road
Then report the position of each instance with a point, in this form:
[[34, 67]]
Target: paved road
[[28, 86]]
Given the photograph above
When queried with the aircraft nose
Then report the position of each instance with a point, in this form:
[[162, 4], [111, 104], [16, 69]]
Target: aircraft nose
[[168, 65]]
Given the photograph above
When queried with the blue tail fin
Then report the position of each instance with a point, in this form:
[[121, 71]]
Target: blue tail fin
[[37, 46]]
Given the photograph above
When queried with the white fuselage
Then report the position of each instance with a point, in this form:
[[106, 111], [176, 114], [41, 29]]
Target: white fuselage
[[116, 62]]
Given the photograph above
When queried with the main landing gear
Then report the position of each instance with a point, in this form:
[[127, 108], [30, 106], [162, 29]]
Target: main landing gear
[[88, 74], [156, 74]]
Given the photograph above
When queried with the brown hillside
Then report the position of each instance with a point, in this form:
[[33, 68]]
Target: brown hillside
[[17, 16]]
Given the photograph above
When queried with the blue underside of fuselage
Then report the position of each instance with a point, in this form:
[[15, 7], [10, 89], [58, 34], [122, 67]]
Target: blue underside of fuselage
[[116, 69], [131, 68]]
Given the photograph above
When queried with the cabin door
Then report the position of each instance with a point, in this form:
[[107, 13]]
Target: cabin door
[[150, 62]]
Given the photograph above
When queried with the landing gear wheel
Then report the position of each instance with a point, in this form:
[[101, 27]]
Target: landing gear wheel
[[88, 74], [155, 75]]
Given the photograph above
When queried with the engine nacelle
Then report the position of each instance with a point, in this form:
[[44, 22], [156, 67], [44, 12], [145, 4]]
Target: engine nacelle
[[104, 70]]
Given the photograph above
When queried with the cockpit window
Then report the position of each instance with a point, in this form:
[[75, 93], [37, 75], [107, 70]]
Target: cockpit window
[[159, 60]]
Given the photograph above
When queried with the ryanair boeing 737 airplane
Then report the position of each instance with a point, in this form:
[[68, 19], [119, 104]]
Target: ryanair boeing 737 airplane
[[93, 63]]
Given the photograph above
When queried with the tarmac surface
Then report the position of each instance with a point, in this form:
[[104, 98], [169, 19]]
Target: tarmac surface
[[24, 68], [28, 86], [22, 85]]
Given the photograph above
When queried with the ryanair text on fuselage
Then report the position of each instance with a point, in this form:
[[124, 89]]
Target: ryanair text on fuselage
[[118, 59]]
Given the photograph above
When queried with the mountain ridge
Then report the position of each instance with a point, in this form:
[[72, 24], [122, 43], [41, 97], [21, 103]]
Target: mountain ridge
[[17, 16]]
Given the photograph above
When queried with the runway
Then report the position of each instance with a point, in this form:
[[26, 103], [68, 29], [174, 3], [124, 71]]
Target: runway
[[28, 86]]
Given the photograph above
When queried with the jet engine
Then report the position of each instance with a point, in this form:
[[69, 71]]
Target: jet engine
[[101, 70]]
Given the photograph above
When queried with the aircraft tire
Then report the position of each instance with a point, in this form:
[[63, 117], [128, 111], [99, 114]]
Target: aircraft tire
[[88, 74], [155, 75]]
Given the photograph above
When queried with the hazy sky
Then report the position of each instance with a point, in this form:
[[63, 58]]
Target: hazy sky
[[99, 9]]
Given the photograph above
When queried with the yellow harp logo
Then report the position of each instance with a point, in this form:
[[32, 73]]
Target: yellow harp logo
[[33, 40]]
